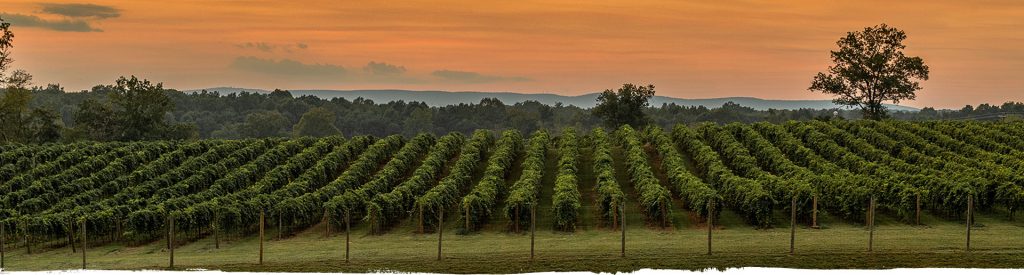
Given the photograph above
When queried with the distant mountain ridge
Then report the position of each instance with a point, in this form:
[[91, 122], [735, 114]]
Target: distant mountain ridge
[[441, 98]]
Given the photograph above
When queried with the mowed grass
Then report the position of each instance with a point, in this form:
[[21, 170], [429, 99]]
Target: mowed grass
[[996, 243]]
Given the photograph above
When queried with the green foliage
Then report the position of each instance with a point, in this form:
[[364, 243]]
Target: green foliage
[[317, 122], [264, 124], [624, 107], [744, 164], [566, 198], [523, 193], [240, 209], [385, 209], [840, 192], [655, 200], [309, 207], [747, 196], [481, 201], [697, 194], [128, 190], [609, 193], [869, 69], [892, 189], [447, 192], [135, 110], [352, 202]]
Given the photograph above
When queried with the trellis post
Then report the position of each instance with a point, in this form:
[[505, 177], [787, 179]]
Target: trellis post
[[262, 222], [170, 228], [28, 239], [3, 243], [711, 221], [84, 242], [216, 235], [622, 209], [970, 219], [440, 230], [917, 216], [871, 224], [421, 219], [71, 235], [517, 220], [327, 224], [814, 213], [348, 229], [533, 228], [792, 226]]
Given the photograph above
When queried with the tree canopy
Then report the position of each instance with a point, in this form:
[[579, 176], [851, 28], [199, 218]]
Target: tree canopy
[[870, 68], [317, 122], [625, 106], [134, 109]]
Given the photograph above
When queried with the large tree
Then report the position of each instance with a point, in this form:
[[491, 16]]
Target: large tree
[[136, 109], [625, 106], [6, 43], [317, 122], [870, 68], [141, 106]]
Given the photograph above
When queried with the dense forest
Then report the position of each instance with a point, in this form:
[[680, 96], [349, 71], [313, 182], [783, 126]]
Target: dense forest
[[85, 114]]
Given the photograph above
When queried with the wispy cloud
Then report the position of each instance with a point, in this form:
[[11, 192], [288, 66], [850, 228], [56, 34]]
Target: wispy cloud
[[474, 77], [287, 67], [64, 25], [271, 47], [81, 10], [76, 17], [381, 68]]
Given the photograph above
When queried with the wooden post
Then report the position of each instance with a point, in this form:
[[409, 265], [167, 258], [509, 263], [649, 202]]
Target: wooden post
[[170, 227], [84, 242], [970, 219], [622, 209], [348, 229], [467, 219], [871, 224], [440, 230], [792, 227], [711, 221], [615, 217], [814, 213], [28, 240], [167, 233], [71, 236], [533, 228], [216, 236], [3, 243], [917, 216], [327, 224], [421, 219], [664, 216], [280, 226], [262, 221], [517, 220]]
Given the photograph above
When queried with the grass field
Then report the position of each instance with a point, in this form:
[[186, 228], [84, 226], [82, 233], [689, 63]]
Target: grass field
[[995, 243]]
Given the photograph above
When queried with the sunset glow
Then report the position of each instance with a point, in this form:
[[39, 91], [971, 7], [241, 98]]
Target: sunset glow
[[688, 49]]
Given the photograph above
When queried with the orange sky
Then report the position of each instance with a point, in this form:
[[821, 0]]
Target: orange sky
[[688, 49]]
